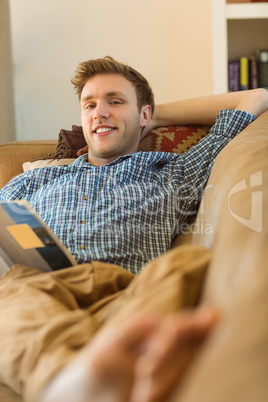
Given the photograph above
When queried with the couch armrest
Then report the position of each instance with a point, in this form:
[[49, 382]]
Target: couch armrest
[[233, 364], [244, 156], [14, 154]]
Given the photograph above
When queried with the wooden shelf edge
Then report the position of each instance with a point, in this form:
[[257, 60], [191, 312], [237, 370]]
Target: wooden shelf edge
[[247, 11]]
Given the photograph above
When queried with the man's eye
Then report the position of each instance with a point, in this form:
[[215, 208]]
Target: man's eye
[[116, 102], [89, 106]]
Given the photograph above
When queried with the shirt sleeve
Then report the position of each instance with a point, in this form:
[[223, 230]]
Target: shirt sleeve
[[198, 161], [15, 189]]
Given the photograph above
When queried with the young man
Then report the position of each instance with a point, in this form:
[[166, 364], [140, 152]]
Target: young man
[[117, 205], [114, 206]]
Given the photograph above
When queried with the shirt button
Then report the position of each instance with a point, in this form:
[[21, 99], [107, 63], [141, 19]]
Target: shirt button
[[82, 247], [82, 222], [85, 198], [88, 172]]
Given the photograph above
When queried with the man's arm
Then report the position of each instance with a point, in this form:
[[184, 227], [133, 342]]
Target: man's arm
[[204, 110]]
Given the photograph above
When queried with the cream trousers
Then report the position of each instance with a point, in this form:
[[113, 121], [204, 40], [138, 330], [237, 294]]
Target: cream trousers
[[46, 318]]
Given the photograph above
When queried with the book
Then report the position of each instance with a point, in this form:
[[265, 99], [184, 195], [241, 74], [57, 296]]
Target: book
[[244, 75], [234, 75], [26, 239], [253, 72], [263, 68]]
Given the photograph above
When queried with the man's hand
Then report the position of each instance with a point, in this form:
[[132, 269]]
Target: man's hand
[[142, 360]]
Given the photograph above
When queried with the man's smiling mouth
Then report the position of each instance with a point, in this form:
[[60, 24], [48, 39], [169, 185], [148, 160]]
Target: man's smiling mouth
[[103, 130]]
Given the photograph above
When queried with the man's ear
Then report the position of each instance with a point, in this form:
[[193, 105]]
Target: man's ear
[[146, 115]]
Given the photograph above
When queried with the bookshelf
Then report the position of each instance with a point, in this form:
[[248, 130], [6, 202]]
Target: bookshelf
[[247, 11], [231, 24]]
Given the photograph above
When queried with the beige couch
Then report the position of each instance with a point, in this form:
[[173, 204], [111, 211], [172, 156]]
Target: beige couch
[[233, 222]]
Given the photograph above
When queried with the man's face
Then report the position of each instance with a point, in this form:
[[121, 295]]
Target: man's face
[[110, 117]]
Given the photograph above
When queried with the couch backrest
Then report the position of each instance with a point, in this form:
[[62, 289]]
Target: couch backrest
[[14, 154]]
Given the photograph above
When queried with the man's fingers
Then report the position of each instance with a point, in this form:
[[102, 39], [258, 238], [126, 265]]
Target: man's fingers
[[130, 333], [179, 332], [137, 329], [170, 351]]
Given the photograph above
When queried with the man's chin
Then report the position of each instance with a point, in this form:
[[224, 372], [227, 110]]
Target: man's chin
[[103, 157]]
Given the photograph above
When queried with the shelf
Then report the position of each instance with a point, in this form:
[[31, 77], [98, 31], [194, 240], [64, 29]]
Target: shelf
[[238, 30], [247, 11]]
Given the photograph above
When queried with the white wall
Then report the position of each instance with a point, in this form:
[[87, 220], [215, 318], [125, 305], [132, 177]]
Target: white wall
[[7, 113], [169, 41]]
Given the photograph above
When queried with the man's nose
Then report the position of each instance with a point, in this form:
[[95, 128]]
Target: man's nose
[[101, 112]]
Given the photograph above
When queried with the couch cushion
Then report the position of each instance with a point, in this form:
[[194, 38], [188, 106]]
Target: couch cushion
[[165, 139], [46, 163], [176, 139]]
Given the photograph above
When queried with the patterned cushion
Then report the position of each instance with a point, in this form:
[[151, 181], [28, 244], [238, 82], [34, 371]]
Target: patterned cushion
[[176, 139]]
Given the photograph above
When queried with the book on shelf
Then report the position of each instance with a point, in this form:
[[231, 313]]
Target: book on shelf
[[244, 77], [263, 68], [253, 72], [234, 75], [248, 72], [25, 239]]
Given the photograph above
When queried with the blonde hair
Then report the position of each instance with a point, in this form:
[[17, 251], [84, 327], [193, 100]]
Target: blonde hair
[[89, 68]]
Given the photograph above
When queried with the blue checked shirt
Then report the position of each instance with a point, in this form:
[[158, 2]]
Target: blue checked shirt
[[129, 211]]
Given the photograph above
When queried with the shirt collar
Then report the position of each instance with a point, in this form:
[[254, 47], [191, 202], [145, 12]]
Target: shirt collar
[[82, 161], [164, 157]]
